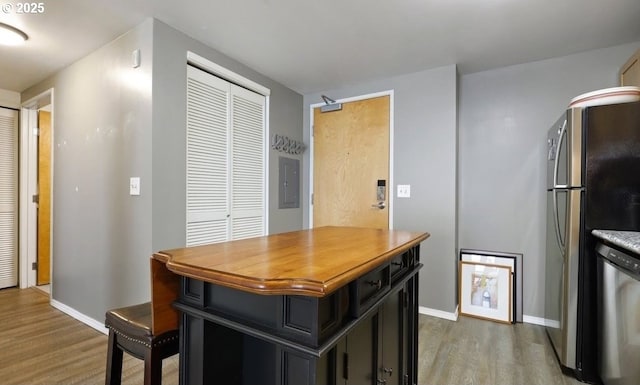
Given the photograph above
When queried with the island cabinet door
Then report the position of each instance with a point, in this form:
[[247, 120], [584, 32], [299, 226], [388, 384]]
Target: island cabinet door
[[296, 368], [355, 355], [392, 341], [378, 350]]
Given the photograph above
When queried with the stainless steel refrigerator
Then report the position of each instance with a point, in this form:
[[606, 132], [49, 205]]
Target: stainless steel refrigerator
[[593, 182]]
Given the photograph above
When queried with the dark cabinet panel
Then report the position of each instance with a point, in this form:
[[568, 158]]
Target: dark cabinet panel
[[361, 352], [391, 332]]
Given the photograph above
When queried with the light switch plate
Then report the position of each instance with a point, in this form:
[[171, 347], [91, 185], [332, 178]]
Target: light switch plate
[[135, 58], [134, 186], [404, 191]]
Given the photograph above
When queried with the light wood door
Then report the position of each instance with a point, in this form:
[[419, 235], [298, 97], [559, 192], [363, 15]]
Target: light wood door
[[630, 71], [351, 159], [44, 196]]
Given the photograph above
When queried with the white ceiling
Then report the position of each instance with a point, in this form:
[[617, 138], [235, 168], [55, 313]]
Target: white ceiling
[[313, 45]]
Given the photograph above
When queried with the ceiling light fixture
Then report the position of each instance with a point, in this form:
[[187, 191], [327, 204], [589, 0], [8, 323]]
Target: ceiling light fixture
[[11, 35]]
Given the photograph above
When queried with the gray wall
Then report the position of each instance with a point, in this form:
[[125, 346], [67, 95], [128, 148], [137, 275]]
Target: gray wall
[[9, 99], [169, 142], [102, 136], [113, 122], [504, 117], [425, 123]]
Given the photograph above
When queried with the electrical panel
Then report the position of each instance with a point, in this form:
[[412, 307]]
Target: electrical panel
[[289, 182]]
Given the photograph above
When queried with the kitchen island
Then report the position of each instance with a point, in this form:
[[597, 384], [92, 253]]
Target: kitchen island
[[331, 305]]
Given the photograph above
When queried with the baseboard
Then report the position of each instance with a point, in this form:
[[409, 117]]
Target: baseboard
[[529, 319], [99, 326], [439, 313], [454, 316]]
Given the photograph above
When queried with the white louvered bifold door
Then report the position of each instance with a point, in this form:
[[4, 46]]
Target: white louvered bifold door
[[225, 160], [8, 198], [207, 158], [248, 166]]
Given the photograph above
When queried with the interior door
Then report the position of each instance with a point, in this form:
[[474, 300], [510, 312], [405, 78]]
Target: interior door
[[351, 164], [44, 198]]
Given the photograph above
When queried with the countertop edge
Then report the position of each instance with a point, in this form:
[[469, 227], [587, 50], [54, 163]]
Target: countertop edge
[[627, 240]]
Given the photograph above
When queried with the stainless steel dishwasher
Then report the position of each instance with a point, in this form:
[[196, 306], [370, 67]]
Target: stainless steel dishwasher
[[618, 316]]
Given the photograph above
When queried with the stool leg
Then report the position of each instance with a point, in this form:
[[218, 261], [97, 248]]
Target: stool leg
[[113, 375], [152, 367]]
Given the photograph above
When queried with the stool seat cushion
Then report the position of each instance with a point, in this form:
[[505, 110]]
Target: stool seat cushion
[[132, 321]]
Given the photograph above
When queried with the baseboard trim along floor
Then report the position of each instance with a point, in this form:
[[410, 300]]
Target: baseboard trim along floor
[[439, 313], [528, 319], [99, 326], [535, 320]]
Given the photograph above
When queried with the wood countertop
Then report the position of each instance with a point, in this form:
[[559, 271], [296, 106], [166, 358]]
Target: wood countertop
[[311, 262]]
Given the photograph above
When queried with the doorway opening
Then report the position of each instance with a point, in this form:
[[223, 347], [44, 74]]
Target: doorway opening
[[36, 191]]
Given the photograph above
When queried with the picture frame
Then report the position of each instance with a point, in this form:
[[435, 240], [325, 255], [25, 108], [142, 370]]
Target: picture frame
[[485, 291], [506, 259]]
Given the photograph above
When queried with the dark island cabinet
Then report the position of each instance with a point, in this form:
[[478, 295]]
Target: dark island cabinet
[[363, 333]]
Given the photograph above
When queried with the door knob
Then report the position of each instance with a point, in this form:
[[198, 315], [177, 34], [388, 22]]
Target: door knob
[[380, 205], [379, 381]]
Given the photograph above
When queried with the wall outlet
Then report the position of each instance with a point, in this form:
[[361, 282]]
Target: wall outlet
[[134, 186], [404, 191]]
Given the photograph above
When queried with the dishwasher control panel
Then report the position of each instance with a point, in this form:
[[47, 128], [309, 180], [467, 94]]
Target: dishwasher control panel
[[624, 260]]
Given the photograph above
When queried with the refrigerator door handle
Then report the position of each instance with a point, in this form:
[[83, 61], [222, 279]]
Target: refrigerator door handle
[[556, 221], [556, 163]]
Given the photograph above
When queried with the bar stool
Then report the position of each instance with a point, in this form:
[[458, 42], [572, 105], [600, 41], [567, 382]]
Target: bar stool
[[148, 331], [130, 331]]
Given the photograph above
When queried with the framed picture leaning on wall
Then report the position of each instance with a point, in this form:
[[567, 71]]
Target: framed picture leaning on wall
[[513, 260], [485, 291]]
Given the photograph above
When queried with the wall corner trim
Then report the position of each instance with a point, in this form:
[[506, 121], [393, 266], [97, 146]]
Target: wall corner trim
[[99, 326]]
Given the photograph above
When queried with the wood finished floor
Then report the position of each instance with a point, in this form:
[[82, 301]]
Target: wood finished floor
[[41, 345], [474, 351]]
